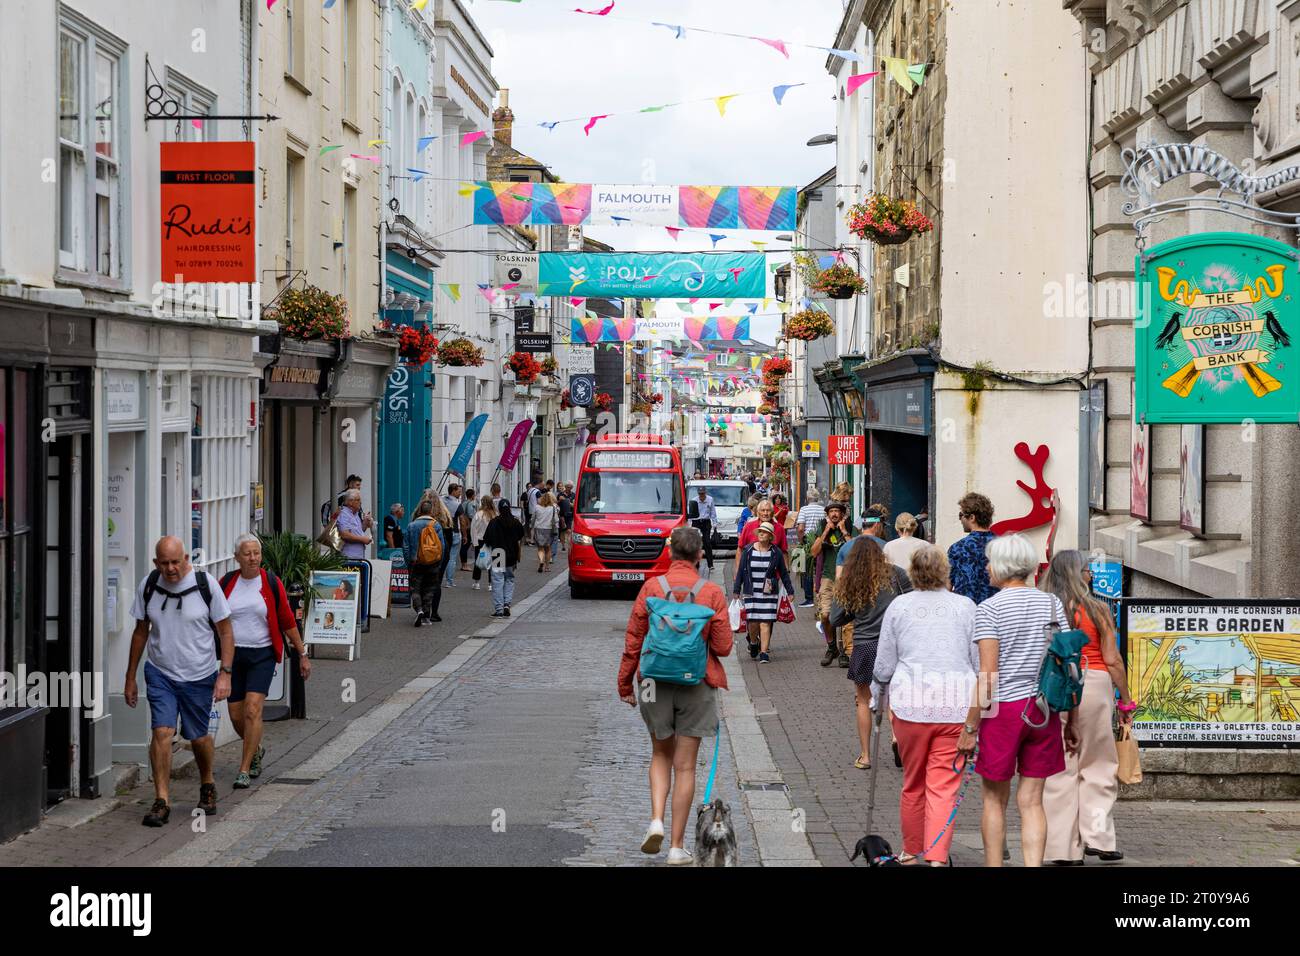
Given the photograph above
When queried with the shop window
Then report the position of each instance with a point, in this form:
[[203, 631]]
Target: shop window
[[91, 205], [220, 468]]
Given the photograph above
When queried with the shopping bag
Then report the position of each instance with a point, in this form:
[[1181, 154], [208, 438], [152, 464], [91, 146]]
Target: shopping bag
[[785, 610], [735, 613], [483, 561], [1130, 764]]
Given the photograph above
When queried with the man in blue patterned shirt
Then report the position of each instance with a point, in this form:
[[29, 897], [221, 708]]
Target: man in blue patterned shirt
[[968, 565]]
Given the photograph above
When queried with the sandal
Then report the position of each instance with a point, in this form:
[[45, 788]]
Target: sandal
[[907, 859], [862, 764]]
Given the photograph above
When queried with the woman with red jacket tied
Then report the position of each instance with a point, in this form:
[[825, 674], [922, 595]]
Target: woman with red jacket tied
[[261, 619], [677, 715]]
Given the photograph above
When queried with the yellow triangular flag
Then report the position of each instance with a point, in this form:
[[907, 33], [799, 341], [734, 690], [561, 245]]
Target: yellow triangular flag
[[765, 302], [372, 143], [897, 68], [722, 102], [466, 189], [419, 4], [758, 245]]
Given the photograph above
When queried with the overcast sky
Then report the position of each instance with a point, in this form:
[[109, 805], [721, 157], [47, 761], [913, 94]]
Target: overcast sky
[[559, 64]]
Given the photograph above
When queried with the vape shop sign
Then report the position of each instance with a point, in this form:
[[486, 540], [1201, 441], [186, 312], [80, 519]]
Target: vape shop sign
[[208, 204], [847, 450]]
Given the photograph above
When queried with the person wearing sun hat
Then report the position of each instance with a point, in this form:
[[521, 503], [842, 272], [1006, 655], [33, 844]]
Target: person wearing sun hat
[[759, 578]]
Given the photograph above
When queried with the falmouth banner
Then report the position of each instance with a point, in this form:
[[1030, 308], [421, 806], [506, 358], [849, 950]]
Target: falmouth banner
[[735, 275], [712, 328], [770, 208]]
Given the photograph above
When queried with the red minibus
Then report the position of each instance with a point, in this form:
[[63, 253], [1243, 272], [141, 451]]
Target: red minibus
[[631, 495]]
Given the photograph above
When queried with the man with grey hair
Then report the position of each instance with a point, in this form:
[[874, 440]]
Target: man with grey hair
[[351, 530], [676, 715]]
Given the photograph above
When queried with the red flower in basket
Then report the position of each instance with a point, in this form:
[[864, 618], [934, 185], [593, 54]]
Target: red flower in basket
[[604, 400], [566, 400], [525, 367], [416, 345]]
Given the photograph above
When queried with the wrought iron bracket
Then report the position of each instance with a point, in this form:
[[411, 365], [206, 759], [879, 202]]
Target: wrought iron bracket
[[161, 105]]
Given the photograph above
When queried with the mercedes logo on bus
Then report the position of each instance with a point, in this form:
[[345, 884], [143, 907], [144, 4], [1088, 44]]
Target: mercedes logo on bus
[[629, 546]]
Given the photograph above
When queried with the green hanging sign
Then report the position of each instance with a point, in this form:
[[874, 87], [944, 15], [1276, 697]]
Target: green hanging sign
[[1217, 313]]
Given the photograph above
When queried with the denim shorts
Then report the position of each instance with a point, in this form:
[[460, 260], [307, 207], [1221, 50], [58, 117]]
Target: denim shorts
[[251, 672], [190, 700]]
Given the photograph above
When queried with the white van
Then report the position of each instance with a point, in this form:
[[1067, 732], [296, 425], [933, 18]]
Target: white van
[[729, 497]]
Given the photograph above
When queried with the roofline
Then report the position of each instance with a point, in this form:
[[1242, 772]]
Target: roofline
[[854, 16], [822, 180]]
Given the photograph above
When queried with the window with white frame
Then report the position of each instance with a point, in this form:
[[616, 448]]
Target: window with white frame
[[407, 153], [91, 77], [219, 467], [293, 209], [191, 100], [351, 55]]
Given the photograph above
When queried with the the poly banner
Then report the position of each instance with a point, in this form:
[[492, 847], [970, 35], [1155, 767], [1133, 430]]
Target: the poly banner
[[208, 202], [1216, 315], [515, 445], [1214, 673], [654, 275], [769, 208], [696, 328], [460, 460]]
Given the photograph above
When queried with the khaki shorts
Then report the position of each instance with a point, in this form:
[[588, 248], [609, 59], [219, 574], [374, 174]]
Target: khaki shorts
[[687, 709]]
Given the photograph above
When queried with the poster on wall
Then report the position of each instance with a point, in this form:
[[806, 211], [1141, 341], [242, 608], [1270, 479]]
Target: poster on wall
[[332, 616], [1191, 478], [1139, 499], [1214, 673], [1217, 316], [208, 202], [1097, 446]]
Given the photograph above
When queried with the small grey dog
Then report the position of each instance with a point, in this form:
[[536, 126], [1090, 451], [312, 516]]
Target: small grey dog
[[715, 837]]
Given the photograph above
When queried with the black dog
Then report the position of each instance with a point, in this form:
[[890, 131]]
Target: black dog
[[877, 851]]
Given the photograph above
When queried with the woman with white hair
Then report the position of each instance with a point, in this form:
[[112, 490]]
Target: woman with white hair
[[261, 619], [1011, 629], [900, 550]]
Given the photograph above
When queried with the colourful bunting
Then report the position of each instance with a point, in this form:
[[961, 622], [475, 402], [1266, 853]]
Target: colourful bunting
[[417, 174], [467, 189], [843, 54], [372, 143], [550, 126], [603, 12], [898, 72], [419, 4], [452, 289], [370, 159], [853, 82], [722, 101], [778, 45], [673, 231], [328, 4], [423, 143], [472, 137], [715, 236], [916, 72], [592, 122], [679, 30], [329, 149], [197, 123]]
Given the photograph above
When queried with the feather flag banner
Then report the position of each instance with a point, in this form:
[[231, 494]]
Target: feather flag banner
[[765, 208]]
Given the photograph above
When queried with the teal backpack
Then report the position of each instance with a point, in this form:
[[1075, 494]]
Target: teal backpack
[[1060, 680], [675, 649]]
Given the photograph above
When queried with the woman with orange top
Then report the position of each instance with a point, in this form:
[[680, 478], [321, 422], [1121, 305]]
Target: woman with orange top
[[1079, 801]]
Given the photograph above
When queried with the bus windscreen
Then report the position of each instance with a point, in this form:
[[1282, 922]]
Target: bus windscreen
[[629, 492]]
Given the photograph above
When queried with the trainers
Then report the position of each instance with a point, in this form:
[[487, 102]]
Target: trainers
[[821, 629], [764, 659], [828, 658], [450, 584], [679, 857], [419, 619], [844, 660], [477, 586], [158, 814], [242, 781], [498, 613], [806, 604], [753, 649], [433, 619], [507, 614], [255, 769], [208, 798], [654, 837]]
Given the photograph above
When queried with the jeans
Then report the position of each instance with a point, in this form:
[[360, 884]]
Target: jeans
[[426, 590], [555, 545], [808, 587], [705, 527], [503, 588], [450, 561]]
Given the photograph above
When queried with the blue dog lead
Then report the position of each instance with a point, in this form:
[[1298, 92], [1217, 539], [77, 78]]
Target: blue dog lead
[[713, 771]]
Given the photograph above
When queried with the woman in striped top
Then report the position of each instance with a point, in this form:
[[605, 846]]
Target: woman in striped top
[[760, 575]]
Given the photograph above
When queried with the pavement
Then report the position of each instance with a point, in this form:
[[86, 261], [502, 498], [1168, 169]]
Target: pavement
[[503, 742]]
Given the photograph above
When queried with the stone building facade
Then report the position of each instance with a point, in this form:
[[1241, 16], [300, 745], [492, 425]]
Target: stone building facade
[[1223, 74]]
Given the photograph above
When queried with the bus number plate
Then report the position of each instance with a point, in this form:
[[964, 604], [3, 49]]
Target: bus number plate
[[628, 575]]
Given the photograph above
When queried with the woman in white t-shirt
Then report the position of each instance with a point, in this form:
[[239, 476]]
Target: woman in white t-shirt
[[546, 527], [900, 550], [261, 619]]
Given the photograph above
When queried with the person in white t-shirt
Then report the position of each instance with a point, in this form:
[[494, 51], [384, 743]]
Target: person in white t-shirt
[[177, 609], [900, 550]]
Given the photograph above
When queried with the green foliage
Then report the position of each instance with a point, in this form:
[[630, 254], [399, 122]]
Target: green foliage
[[293, 558], [310, 313], [1170, 697]]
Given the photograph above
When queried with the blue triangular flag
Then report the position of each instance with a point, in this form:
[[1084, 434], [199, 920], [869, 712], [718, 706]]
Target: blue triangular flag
[[715, 236], [780, 91], [423, 142], [844, 54], [550, 125], [679, 30], [417, 174], [752, 307]]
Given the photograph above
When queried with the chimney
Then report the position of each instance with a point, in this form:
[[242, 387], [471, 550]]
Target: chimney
[[503, 119]]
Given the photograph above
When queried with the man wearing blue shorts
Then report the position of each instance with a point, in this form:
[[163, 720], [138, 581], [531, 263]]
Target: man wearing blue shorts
[[176, 614]]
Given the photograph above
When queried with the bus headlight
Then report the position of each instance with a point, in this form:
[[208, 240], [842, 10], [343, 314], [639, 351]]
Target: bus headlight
[[582, 538]]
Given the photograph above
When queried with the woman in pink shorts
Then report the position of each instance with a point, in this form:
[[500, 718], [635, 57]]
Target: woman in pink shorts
[[1011, 632]]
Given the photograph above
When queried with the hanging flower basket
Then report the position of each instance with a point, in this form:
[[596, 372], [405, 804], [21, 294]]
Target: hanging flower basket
[[310, 313], [839, 282], [525, 367], [566, 400], [459, 352], [767, 409], [657, 399], [809, 324], [603, 401], [772, 395], [416, 345], [549, 365], [641, 408], [887, 221], [776, 368]]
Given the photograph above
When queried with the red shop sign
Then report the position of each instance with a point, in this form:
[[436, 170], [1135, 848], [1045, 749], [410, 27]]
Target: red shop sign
[[847, 450], [208, 201]]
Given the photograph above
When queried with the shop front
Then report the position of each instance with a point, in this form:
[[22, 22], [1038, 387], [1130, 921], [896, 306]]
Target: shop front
[[293, 387], [898, 419], [843, 395], [405, 454], [353, 419]]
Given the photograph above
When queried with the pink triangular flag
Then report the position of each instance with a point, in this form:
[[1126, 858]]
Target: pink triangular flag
[[674, 231], [472, 137], [853, 82], [604, 11], [775, 45], [593, 121]]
